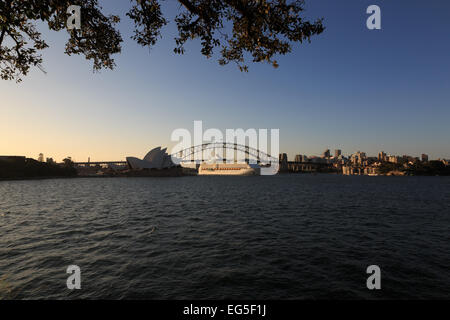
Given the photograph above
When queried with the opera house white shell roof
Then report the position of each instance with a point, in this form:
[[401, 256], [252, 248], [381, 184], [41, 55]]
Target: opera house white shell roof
[[156, 158]]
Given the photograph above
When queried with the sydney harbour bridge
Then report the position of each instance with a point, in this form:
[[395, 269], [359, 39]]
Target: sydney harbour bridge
[[223, 151]]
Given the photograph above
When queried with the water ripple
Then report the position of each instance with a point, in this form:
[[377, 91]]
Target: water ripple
[[282, 237]]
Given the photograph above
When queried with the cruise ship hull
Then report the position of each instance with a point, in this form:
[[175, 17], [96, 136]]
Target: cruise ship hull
[[242, 172], [228, 170]]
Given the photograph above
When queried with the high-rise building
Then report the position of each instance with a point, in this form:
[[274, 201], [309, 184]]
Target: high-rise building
[[337, 153], [284, 166], [326, 153], [283, 157], [298, 158], [424, 157], [41, 157], [382, 156], [394, 159], [358, 157]]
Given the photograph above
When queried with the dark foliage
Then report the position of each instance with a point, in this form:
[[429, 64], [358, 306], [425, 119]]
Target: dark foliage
[[387, 167], [431, 168], [30, 168], [260, 29]]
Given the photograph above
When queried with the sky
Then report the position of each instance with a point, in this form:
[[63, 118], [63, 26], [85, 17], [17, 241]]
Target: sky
[[351, 88]]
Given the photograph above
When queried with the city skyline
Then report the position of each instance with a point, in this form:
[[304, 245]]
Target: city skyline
[[297, 157], [350, 89]]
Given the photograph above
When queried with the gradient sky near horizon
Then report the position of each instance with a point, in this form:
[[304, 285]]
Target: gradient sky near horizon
[[351, 89]]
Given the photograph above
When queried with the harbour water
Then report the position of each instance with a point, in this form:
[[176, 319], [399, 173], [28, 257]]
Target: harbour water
[[217, 237]]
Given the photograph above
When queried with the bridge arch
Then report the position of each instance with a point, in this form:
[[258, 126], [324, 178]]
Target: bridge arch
[[197, 153]]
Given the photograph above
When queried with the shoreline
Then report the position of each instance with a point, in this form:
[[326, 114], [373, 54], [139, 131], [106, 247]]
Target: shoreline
[[190, 175]]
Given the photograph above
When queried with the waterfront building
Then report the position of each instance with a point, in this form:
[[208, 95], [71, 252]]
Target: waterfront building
[[349, 170], [337, 153], [382, 156], [356, 170], [358, 158], [315, 159], [394, 159], [283, 157], [301, 158], [370, 171], [346, 170]]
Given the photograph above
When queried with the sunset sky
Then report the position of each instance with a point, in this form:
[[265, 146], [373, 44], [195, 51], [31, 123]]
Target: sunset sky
[[351, 89]]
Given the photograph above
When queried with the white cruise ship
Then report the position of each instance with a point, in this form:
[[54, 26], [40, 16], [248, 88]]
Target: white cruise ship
[[234, 169]]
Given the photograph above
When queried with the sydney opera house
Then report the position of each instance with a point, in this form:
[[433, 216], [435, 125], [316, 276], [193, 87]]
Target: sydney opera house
[[157, 158]]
